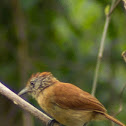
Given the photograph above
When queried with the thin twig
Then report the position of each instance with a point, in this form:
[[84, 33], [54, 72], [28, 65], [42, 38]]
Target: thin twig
[[25, 105], [121, 102], [102, 43], [113, 7], [122, 91], [100, 55]]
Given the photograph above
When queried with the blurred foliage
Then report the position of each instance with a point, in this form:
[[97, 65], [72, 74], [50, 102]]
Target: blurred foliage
[[62, 37]]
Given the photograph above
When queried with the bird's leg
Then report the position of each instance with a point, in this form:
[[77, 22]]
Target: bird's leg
[[51, 122]]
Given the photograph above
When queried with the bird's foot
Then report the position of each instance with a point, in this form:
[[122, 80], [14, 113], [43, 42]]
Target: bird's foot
[[51, 122], [85, 124]]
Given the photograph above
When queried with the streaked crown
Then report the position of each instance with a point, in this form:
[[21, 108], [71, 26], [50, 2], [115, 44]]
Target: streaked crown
[[38, 82]]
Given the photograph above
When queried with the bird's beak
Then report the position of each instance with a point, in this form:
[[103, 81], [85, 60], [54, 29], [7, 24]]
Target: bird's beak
[[23, 91]]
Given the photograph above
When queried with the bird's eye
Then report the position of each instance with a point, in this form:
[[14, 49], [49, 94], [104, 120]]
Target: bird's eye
[[32, 83]]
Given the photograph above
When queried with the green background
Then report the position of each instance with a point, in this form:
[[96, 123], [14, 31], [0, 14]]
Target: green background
[[63, 37]]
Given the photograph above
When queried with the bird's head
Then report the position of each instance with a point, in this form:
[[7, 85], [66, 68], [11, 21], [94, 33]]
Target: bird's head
[[37, 83]]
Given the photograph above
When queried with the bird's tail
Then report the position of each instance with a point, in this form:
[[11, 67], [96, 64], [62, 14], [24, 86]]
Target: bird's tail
[[113, 119]]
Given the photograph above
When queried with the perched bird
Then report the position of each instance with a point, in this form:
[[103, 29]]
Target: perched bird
[[65, 102]]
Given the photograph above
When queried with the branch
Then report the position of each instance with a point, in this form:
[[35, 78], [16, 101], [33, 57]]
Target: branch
[[124, 3], [121, 92], [113, 7], [25, 105], [102, 43], [124, 55], [120, 102]]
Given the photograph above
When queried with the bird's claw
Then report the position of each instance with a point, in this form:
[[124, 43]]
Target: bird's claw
[[85, 124], [51, 122]]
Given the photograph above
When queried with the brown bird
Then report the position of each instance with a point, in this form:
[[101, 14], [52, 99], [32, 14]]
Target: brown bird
[[66, 103]]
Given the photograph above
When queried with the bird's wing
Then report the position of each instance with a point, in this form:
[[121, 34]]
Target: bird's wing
[[69, 96]]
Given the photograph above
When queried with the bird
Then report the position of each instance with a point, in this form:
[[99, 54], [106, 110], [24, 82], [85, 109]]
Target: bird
[[64, 102]]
